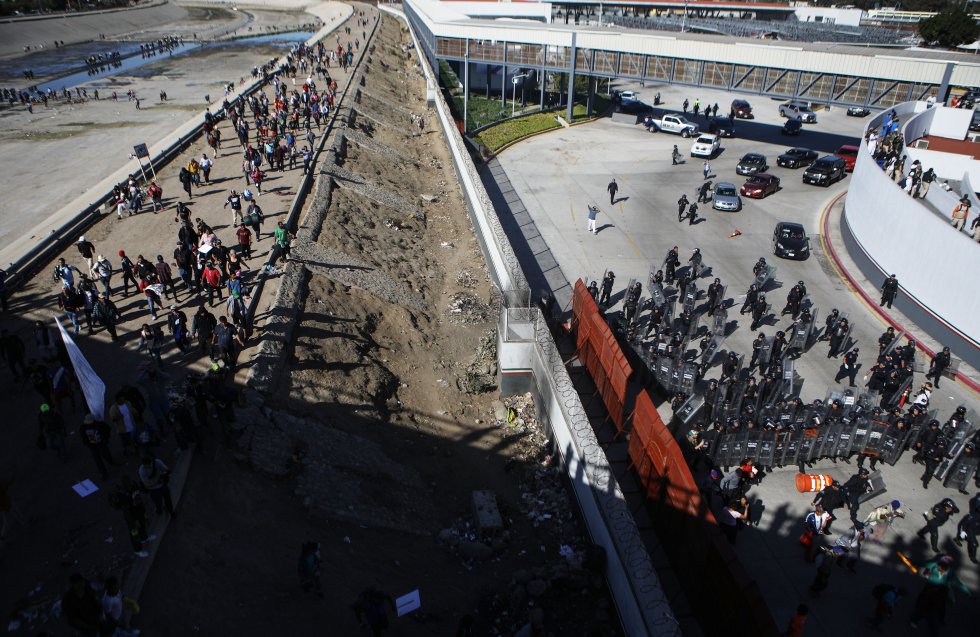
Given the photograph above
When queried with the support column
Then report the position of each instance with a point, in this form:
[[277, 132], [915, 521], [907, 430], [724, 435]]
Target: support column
[[589, 101], [466, 88], [542, 80], [503, 79], [571, 80], [944, 85]]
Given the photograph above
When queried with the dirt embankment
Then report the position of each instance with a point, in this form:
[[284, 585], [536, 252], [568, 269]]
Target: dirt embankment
[[372, 440]]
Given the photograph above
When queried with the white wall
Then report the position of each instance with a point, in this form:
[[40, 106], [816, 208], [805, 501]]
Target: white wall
[[953, 123], [540, 11], [932, 261]]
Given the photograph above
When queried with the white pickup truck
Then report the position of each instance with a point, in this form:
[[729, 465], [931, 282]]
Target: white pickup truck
[[675, 124]]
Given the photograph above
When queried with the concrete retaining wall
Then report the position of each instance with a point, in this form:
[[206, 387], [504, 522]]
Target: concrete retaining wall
[[899, 235]]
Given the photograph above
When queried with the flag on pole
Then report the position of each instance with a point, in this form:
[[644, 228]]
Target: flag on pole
[[92, 386]]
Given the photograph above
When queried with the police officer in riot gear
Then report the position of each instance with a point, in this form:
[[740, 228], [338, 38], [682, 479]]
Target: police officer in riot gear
[[832, 319], [715, 291], [670, 265], [607, 286], [750, 298], [594, 291], [759, 311], [631, 302], [938, 366], [757, 346], [886, 337], [837, 338], [889, 290], [681, 208]]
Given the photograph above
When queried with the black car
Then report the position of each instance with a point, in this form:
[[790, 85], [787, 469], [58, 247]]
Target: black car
[[721, 126], [797, 158], [792, 127], [789, 241], [634, 108], [751, 164], [975, 122], [858, 111], [825, 171]]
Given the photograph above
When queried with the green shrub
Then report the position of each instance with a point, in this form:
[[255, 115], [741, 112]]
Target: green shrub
[[496, 137]]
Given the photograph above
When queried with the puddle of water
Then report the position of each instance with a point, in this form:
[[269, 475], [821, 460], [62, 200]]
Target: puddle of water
[[128, 64]]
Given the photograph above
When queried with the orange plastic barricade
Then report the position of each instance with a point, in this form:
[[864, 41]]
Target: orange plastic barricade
[[614, 407], [806, 482]]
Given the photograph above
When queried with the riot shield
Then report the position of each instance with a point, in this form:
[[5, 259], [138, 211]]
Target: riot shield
[[690, 297], [657, 297], [689, 376], [753, 438], [676, 374], [717, 406], [708, 355], [765, 455], [897, 396], [737, 453], [668, 313], [812, 338], [791, 448], [764, 352], [693, 328], [831, 437], [689, 411], [892, 445], [800, 335], [875, 440], [764, 277], [723, 450], [843, 447], [895, 342], [807, 444], [737, 393], [662, 371], [947, 463], [719, 321], [962, 472], [859, 438]]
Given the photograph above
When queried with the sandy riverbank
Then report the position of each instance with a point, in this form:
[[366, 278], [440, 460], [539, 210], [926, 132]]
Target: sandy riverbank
[[57, 158]]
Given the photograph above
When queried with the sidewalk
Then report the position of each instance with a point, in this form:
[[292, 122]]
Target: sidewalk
[[869, 295]]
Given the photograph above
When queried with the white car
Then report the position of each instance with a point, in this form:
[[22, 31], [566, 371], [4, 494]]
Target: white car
[[629, 96], [797, 111], [705, 146]]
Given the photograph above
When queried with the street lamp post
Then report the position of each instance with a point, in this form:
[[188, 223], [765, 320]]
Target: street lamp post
[[513, 93], [684, 21]]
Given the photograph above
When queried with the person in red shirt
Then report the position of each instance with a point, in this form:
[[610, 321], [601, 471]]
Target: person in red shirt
[[212, 280], [245, 240]]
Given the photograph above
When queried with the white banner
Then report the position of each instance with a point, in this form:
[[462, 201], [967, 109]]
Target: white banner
[[92, 386]]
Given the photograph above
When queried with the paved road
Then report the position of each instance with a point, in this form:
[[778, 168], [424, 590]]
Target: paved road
[[555, 176]]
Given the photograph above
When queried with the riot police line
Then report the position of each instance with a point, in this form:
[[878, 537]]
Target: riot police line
[[779, 429]]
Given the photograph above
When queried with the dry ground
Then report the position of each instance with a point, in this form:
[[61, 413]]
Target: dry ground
[[369, 445]]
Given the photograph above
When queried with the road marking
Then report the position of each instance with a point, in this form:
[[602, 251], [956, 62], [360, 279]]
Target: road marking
[[571, 209], [621, 211], [633, 245]]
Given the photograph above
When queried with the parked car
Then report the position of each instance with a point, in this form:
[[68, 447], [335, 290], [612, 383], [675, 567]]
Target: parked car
[[825, 171], [858, 111], [742, 109], [705, 145], [798, 110], [789, 241], [792, 127], [725, 198], [849, 154], [635, 107], [629, 96], [751, 163], [797, 158], [760, 186], [975, 122], [722, 126]]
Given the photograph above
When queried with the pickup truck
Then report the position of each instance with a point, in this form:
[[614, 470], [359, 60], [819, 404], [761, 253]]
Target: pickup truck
[[675, 124]]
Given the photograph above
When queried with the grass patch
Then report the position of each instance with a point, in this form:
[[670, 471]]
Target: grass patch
[[496, 137]]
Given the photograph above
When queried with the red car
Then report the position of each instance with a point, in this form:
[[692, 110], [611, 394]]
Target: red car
[[849, 154], [759, 186]]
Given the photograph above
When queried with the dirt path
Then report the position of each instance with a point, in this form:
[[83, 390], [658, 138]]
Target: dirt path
[[368, 444]]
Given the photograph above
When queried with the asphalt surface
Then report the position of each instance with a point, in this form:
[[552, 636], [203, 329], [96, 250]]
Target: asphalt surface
[[557, 175]]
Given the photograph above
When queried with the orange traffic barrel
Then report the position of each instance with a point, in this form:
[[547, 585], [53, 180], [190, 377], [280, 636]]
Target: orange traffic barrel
[[806, 482]]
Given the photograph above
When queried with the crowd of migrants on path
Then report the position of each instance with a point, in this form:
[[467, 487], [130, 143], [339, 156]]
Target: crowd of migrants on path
[[102, 286]]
